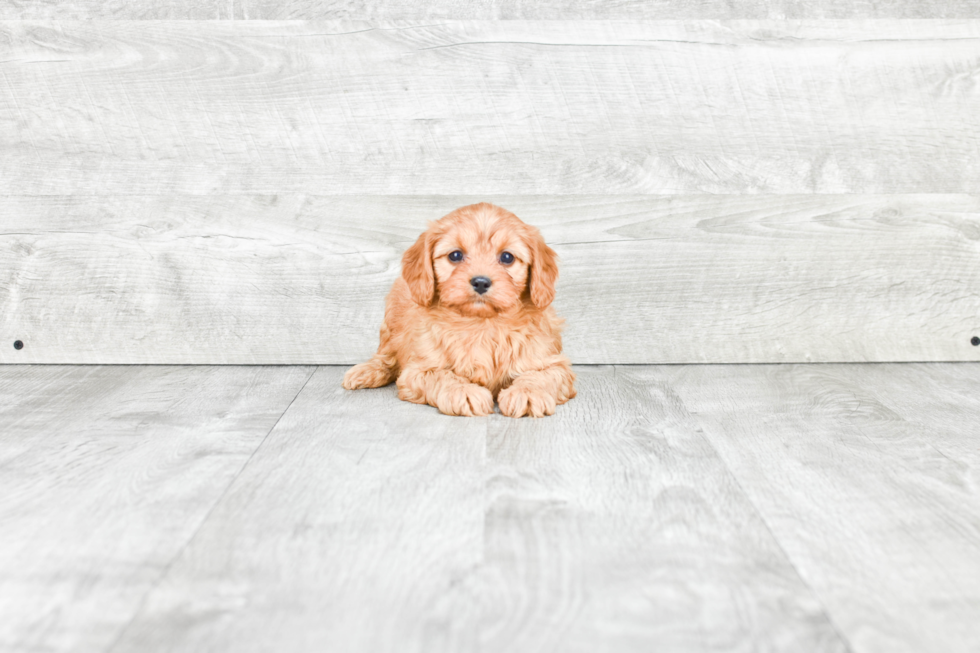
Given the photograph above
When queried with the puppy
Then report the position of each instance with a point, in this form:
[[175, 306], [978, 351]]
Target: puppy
[[470, 320]]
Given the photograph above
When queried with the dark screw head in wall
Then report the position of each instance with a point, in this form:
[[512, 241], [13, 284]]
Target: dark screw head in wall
[[18, 344], [975, 341]]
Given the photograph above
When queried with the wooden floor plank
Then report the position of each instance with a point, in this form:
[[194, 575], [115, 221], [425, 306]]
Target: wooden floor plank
[[615, 527], [302, 278], [365, 523], [945, 405], [782, 508], [869, 477], [357, 512], [105, 474]]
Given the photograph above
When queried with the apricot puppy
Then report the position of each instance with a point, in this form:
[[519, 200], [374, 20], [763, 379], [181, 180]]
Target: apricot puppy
[[470, 320]]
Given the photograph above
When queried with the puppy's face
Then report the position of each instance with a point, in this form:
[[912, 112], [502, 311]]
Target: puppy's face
[[481, 264], [481, 260]]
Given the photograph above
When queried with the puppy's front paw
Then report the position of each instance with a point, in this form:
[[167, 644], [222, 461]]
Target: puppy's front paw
[[467, 399], [366, 375], [517, 401]]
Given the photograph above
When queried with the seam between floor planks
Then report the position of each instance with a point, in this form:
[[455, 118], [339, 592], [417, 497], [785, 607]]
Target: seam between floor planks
[[508, 443], [840, 476], [762, 518], [108, 455], [207, 516], [535, 495]]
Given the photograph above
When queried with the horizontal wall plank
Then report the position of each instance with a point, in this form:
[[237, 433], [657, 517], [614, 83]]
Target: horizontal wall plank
[[120, 10], [494, 107], [597, 9], [484, 9], [644, 279]]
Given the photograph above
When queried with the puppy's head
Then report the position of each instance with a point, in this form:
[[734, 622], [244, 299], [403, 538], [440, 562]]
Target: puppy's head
[[480, 260]]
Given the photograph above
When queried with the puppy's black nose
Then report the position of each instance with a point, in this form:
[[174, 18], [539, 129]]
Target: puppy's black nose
[[480, 284]]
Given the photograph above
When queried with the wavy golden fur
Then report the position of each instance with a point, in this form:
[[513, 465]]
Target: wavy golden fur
[[466, 323]]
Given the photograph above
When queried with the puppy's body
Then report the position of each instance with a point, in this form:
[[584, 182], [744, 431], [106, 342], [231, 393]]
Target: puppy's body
[[459, 333], [489, 351]]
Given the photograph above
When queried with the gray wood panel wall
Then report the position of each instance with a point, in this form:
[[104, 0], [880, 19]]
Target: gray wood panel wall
[[753, 190], [484, 9]]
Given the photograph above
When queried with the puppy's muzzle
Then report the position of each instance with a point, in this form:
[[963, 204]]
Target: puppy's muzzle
[[480, 284]]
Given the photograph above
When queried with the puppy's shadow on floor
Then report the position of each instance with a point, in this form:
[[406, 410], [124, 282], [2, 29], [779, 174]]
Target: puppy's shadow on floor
[[385, 402], [604, 394]]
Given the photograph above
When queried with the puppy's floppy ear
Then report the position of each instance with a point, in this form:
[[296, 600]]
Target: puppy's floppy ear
[[543, 272], [417, 270]]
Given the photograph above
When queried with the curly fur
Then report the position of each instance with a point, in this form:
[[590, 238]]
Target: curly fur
[[448, 346]]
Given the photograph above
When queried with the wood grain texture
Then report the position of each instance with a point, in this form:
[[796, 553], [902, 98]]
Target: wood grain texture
[[368, 524], [617, 526], [603, 9], [357, 513], [945, 407], [868, 477], [302, 278], [491, 107], [483, 10], [57, 10], [105, 475]]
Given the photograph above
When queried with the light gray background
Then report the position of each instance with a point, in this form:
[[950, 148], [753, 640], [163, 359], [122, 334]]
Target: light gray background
[[737, 190], [725, 182]]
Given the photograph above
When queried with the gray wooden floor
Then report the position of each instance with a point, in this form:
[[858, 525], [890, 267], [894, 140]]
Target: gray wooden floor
[[667, 508]]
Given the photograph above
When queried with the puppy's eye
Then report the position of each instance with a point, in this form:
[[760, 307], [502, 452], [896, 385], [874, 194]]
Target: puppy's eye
[[455, 256], [506, 258]]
